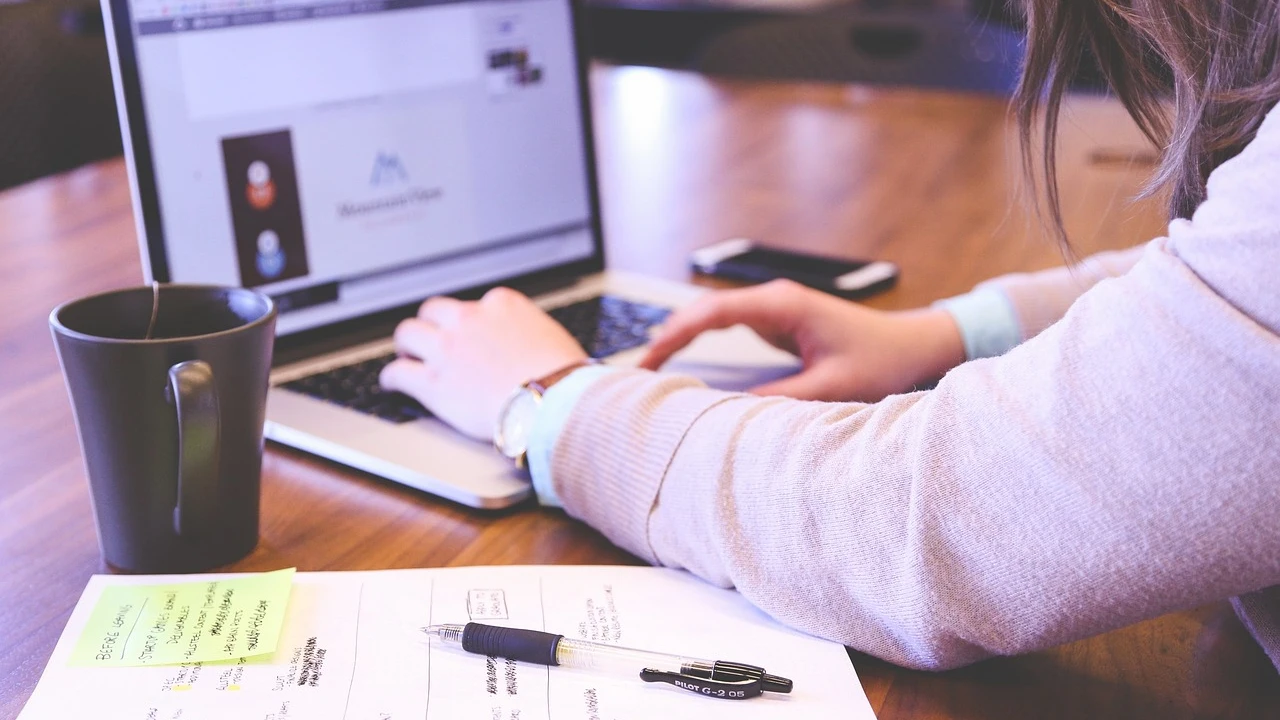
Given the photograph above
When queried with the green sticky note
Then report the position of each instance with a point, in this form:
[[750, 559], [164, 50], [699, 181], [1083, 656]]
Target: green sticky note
[[219, 619]]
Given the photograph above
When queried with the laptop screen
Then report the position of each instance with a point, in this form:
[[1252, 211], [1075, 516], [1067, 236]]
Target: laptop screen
[[351, 156]]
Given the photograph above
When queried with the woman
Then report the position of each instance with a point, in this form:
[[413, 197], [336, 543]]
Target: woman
[[1103, 448]]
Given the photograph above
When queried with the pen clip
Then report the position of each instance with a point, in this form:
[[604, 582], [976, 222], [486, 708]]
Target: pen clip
[[729, 690]]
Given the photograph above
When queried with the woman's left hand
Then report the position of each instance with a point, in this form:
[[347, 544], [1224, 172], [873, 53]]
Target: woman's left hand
[[463, 359]]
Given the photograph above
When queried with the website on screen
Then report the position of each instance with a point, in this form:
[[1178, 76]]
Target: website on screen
[[351, 156]]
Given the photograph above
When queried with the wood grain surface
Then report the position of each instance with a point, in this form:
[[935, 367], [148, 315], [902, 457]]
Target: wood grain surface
[[925, 179]]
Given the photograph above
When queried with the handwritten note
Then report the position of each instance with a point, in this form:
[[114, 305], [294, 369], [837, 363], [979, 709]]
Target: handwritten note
[[222, 619]]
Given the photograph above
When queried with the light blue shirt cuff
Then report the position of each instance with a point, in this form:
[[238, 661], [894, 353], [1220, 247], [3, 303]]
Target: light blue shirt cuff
[[987, 321], [553, 413]]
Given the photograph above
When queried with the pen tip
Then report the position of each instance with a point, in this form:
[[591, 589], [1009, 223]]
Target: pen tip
[[447, 633]]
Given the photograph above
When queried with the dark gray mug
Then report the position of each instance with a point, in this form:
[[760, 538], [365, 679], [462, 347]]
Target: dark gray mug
[[171, 424]]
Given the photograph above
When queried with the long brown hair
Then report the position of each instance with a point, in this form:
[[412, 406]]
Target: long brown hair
[[1198, 76]]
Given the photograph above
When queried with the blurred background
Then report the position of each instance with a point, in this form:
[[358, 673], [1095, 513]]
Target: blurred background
[[57, 107]]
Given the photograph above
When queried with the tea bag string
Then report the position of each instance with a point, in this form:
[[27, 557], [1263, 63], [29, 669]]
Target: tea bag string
[[155, 308]]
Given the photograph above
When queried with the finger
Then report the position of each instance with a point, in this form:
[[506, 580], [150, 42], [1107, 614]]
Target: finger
[[711, 311], [441, 310], [805, 385], [501, 295], [411, 377], [418, 339], [750, 306]]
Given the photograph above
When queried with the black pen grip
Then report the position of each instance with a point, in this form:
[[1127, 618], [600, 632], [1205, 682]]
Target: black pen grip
[[514, 643]]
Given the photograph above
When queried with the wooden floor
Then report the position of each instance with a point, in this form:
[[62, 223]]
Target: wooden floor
[[924, 179]]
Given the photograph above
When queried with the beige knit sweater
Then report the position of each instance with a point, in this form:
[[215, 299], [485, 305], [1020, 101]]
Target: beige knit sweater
[[1121, 463]]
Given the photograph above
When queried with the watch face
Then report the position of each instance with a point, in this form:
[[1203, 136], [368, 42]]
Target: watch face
[[517, 424]]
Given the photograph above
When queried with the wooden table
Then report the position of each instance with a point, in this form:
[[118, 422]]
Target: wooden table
[[923, 179]]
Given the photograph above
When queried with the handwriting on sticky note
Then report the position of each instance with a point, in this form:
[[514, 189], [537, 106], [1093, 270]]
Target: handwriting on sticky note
[[180, 623]]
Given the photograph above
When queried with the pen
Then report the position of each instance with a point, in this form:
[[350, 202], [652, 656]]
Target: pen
[[713, 678]]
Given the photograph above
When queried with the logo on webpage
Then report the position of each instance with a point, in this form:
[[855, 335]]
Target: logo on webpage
[[387, 169], [261, 191], [271, 258]]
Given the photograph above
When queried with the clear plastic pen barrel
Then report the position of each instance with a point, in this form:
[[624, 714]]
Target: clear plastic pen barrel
[[597, 657], [619, 660]]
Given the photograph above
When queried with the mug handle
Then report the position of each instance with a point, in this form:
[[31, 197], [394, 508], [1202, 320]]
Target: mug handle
[[199, 428]]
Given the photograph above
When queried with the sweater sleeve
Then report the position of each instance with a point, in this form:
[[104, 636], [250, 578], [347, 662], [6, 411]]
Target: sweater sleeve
[[1039, 299], [991, 323], [1117, 466]]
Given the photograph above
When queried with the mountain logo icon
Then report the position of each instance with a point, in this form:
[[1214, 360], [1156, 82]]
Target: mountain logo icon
[[388, 169]]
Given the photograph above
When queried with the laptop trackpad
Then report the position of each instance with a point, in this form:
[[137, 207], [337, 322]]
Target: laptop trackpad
[[733, 359]]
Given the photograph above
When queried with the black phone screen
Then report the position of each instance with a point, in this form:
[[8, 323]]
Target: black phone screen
[[788, 264], [754, 263]]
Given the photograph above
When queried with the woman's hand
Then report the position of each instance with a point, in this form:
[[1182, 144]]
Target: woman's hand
[[462, 359], [850, 352]]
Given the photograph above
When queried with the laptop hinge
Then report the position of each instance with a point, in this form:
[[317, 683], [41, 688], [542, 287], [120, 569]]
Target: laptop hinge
[[546, 284]]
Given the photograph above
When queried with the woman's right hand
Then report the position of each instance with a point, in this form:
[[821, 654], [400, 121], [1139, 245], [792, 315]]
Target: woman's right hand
[[850, 352]]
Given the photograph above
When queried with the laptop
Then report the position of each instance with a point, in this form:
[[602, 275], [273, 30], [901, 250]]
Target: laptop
[[351, 158]]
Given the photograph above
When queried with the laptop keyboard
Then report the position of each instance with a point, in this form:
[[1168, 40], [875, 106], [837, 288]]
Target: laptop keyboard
[[607, 325], [603, 325], [356, 387]]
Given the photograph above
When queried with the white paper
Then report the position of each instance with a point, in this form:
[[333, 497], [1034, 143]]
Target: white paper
[[351, 649]]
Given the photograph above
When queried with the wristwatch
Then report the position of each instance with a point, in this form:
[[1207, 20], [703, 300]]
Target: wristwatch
[[515, 420]]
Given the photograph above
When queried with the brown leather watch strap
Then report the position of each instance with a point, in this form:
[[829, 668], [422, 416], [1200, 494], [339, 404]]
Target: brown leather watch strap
[[541, 385]]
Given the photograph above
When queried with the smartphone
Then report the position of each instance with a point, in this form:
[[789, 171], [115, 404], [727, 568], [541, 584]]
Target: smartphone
[[743, 259]]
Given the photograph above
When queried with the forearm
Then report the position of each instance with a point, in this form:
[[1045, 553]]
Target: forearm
[[1028, 500]]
